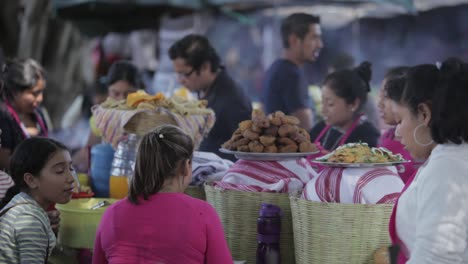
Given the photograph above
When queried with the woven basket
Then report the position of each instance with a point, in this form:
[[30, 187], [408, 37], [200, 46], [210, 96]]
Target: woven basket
[[145, 122], [334, 233], [239, 212], [196, 192]]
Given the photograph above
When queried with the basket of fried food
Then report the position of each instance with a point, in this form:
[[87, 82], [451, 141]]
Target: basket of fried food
[[273, 133], [141, 113], [361, 153]]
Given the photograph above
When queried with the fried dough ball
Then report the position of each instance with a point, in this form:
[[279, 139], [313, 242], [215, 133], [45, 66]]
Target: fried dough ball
[[271, 149], [243, 148], [307, 146], [290, 120], [286, 130], [244, 125], [286, 141], [288, 148], [276, 121], [271, 131], [240, 142], [228, 145], [299, 138], [249, 134], [256, 129], [256, 146], [267, 140], [279, 114], [304, 132], [263, 122]]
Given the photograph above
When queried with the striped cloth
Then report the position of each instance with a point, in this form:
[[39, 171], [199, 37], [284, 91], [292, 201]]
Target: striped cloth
[[5, 183], [208, 167], [111, 122], [355, 185], [25, 232], [268, 176]]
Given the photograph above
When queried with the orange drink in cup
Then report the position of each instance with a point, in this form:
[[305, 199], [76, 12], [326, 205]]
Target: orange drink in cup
[[118, 187]]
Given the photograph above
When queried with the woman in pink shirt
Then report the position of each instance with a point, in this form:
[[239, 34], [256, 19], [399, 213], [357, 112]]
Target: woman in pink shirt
[[158, 223], [391, 91]]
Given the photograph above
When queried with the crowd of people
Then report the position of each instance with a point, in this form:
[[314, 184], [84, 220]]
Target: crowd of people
[[423, 106]]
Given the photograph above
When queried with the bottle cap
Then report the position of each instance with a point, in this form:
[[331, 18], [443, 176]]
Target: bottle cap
[[270, 210]]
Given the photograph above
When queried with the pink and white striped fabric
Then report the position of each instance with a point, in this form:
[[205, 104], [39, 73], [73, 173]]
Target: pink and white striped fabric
[[268, 176], [355, 185]]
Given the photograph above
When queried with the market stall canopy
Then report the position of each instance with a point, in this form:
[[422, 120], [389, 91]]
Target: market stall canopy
[[95, 17], [98, 17], [340, 13]]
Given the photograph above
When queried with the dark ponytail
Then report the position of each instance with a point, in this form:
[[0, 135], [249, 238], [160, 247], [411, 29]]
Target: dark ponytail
[[450, 107], [351, 84]]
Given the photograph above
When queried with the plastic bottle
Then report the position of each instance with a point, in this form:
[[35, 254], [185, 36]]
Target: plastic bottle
[[123, 166], [268, 234]]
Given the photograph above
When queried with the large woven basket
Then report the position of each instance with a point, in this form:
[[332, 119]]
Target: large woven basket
[[196, 192], [239, 212], [334, 233]]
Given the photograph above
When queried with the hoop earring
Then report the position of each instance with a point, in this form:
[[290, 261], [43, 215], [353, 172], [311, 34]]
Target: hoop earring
[[416, 138]]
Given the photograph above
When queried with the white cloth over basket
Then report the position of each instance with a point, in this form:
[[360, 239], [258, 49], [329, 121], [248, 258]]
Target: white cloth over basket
[[355, 185]]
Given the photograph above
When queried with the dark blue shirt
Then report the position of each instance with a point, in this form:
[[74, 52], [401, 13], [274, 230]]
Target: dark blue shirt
[[285, 88], [231, 106]]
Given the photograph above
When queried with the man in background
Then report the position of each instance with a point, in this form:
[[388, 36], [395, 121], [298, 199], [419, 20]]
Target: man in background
[[199, 69], [285, 86]]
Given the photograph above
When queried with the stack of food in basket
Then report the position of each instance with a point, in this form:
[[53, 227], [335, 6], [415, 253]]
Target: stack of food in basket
[[271, 149], [142, 112]]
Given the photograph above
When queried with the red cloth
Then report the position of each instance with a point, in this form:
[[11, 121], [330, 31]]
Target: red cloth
[[167, 228], [402, 256], [387, 140]]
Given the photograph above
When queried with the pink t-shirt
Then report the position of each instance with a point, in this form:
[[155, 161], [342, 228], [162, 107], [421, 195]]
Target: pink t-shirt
[[168, 228], [388, 141]]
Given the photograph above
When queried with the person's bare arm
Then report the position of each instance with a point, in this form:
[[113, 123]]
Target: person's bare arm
[[305, 117], [4, 158]]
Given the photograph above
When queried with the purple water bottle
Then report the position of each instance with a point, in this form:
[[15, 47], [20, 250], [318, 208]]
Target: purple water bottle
[[268, 234]]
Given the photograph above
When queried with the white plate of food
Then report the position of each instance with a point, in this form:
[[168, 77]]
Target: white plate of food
[[267, 156], [360, 155]]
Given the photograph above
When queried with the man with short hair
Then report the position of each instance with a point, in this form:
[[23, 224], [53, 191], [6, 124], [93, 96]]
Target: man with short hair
[[285, 87], [199, 69]]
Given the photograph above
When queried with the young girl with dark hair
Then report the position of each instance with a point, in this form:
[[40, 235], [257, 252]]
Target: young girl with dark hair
[[344, 93], [22, 83], [158, 223], [43, 174], [430, 219]]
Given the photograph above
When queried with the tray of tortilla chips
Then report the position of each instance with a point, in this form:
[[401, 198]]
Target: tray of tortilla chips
[[360, 155], [141, 112]]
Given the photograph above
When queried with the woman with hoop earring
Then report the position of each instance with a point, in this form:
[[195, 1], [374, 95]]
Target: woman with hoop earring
[[429, 222]]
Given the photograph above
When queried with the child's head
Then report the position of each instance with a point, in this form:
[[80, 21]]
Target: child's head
[[123, 78], [164, 156], [43, 168], [391, 90], [344, 93]]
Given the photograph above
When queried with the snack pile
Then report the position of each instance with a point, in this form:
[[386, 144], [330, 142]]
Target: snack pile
[[142, 100], [141, 112], [361, 153], [273, 133]]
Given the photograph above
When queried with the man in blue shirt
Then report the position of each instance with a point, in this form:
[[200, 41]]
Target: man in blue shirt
[[285, 87], [198, 67]]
